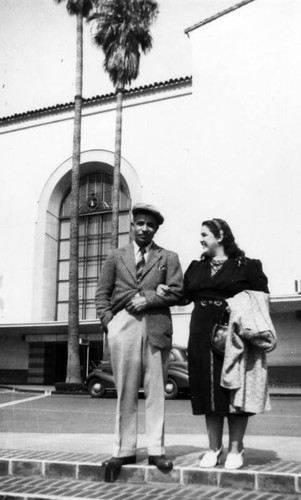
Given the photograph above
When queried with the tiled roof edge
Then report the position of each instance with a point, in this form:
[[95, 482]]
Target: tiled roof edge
[[217, 16], [93, 100]]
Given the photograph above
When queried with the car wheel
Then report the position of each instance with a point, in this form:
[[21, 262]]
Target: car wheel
[[171, 389], [96, 388]]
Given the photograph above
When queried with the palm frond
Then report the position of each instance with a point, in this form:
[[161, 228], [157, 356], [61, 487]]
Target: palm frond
[[75, 6], [122, 29], [122, 65]]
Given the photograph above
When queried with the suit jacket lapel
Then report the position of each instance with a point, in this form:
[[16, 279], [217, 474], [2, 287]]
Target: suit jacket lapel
[[128, 258], [154, 256]]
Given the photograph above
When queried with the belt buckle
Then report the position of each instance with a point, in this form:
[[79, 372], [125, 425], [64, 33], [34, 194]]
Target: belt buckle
[[218, 303]]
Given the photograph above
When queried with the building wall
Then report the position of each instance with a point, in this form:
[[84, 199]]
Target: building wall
[[14, 358], [288, 352], [246, 127], [36, 174], [228, 149], [245, 146]]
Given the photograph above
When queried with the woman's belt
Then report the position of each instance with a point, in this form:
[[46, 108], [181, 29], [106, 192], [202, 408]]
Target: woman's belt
[[210, 302]]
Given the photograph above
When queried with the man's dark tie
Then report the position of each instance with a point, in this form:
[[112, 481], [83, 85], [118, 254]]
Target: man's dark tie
[[140, 263]]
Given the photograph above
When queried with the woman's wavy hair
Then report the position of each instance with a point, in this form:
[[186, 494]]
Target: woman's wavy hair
[[230, 246]]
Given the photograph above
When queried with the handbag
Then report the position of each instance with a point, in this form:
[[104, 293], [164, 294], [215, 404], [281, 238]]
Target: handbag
[[219, 335]]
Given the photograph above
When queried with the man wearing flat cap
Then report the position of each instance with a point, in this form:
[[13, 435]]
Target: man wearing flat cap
[[137, 285]]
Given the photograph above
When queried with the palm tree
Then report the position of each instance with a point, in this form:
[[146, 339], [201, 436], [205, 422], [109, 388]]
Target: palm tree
[[122, 29], [81, 9]]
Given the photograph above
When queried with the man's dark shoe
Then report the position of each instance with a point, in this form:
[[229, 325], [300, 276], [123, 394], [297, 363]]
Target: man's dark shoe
[[113, 465], [161, 462], [117, 462]]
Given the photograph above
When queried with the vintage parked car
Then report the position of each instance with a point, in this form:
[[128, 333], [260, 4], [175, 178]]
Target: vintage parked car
[[100, 379]]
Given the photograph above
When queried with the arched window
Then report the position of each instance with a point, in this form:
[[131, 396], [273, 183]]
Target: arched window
[[95, 216]]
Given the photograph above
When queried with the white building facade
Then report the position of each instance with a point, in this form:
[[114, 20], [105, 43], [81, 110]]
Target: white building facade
[[224, 143], [245, 141], [37, 149]]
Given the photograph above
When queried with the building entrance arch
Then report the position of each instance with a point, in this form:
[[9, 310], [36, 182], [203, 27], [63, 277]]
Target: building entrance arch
[[47, 235]]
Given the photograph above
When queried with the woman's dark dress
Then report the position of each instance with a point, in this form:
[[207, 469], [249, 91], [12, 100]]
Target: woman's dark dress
[[209, 295]]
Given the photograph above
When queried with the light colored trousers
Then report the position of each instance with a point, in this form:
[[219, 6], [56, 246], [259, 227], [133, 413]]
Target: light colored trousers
[[135, 362]]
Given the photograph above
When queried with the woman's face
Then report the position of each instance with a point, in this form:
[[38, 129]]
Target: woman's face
[[209, 242]]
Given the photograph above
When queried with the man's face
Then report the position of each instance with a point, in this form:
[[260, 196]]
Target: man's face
[[144, 228]]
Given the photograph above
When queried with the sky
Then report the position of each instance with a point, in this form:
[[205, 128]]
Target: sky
[[37, 51]]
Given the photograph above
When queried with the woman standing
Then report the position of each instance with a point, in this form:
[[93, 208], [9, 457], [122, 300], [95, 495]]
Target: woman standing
[[222, 272]]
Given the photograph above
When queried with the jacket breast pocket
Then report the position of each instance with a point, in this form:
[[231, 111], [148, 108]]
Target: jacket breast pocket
[[162, 270]]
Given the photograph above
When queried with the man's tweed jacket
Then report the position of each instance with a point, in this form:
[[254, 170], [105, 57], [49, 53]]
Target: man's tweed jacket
[[117, 285]]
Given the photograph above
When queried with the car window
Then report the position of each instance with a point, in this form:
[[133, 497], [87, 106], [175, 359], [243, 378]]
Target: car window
[[182, 355], [178, 354], [171, 356]]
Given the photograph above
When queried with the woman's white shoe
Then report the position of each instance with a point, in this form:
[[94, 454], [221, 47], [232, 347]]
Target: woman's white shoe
[[211, 458], [234, 460]]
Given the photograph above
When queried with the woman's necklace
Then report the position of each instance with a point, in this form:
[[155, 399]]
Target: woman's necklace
[[216, 264]]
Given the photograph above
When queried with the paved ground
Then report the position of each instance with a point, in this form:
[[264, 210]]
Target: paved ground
[[67, 474], [28, 488], [37, 421], [286, 391], [259, 449], [30, 421]]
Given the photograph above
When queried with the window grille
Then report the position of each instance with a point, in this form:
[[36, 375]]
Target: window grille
[[95, 217]]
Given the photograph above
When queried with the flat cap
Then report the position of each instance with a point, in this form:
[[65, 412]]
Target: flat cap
[[144, 207]]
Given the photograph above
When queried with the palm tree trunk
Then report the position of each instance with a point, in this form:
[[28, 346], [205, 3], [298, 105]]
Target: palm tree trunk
[[73, 364], [116, 177], [116, 188]]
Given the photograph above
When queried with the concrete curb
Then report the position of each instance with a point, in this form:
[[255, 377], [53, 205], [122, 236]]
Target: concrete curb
[[37, 390], [44, 390], [273, 391], [277, 477]]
